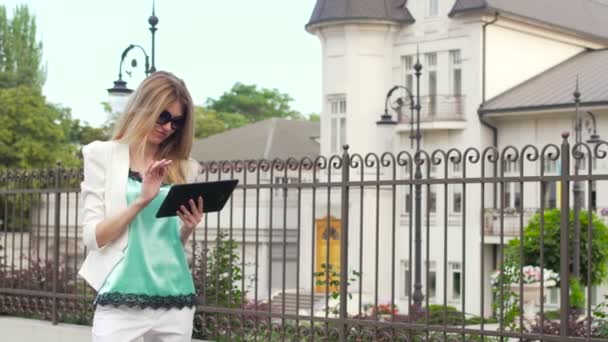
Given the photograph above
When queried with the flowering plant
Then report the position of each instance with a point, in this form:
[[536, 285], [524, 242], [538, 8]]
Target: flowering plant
[[384, 309], [528, 275]]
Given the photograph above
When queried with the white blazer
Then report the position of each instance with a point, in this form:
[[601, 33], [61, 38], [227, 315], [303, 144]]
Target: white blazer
[[103, 191]]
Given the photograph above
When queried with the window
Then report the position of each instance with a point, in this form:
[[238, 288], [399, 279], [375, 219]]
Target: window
[[512, 195], [455, 58], [337, 117], [408, 202], [455, 65], [457, 167], [455, 279], [432, 8], [550, 166], [407, 278], [432, 83], [550, 195], [433, 202], [457, 201], [431, 62], [510, 166], [432, 279], [408, 65]]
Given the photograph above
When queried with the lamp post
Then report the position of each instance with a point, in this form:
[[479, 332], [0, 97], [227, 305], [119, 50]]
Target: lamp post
[[577, 190], [119, 93], [386, 119]]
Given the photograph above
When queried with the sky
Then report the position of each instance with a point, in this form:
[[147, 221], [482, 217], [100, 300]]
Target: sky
[[211, 44]]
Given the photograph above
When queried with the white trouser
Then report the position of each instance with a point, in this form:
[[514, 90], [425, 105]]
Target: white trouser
[[124, 324]]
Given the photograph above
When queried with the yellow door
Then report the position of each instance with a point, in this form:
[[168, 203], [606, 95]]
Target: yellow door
[[324, 235]]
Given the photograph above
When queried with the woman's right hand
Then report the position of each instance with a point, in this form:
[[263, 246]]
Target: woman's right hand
[[152, 179]]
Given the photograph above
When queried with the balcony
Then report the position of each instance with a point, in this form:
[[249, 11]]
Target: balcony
[[491, 222], [511, 223], [437, 112]]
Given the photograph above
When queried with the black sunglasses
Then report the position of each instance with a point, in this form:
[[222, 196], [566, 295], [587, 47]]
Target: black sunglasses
[[165, 117]]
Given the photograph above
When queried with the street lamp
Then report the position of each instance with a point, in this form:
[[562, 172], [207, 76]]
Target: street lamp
[[386, 119], [578, 187], [397, 106], [594, 138], [119, 93]]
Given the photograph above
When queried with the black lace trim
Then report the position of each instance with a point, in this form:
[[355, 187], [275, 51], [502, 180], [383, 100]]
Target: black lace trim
[[137, 176], [146, 301]]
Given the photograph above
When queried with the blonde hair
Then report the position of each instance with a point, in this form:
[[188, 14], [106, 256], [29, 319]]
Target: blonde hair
[[155, 94]]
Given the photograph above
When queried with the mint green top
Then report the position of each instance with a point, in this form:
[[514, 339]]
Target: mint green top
[[154, 271]]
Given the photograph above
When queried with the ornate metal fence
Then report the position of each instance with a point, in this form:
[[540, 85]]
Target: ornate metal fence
[[327, 248]]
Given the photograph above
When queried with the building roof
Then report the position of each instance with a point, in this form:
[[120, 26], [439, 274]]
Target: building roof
[[268, 139], [340, 10], [554, 88], [587, 17]]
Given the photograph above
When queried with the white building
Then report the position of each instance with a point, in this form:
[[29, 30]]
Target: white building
[[494, 73]]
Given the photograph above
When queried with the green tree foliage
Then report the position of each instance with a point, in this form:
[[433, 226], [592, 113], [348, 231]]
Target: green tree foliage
[[80, 133], [551, 251], [242, 105], [314, 117], [209, 122], [20, 53], [32, 134], [254, 104]]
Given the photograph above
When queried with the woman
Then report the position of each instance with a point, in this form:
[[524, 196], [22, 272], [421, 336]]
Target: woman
[[136, 262]]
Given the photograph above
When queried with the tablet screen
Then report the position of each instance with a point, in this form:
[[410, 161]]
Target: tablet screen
[[215, 195]]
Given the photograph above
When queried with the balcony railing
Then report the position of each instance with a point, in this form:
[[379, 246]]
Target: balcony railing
[[511, 221], [438, 108]]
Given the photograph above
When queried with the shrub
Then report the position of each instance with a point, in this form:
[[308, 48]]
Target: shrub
[[551, 250], [219, 273], [439, 314], [577, 295], [577, 325]]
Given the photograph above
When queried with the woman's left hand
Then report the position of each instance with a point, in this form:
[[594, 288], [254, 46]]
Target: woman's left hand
[[191, 217]]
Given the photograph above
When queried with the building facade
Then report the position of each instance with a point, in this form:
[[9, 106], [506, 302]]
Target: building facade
[[494, 73]]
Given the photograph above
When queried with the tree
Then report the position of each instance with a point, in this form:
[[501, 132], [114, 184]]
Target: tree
[[254, 104], [314, 117], [77, 132], [551, 251], [209, 122], [31, 134], [20, 53]]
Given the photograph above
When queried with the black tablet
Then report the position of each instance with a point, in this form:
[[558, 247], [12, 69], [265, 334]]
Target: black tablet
[[215, 195]]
